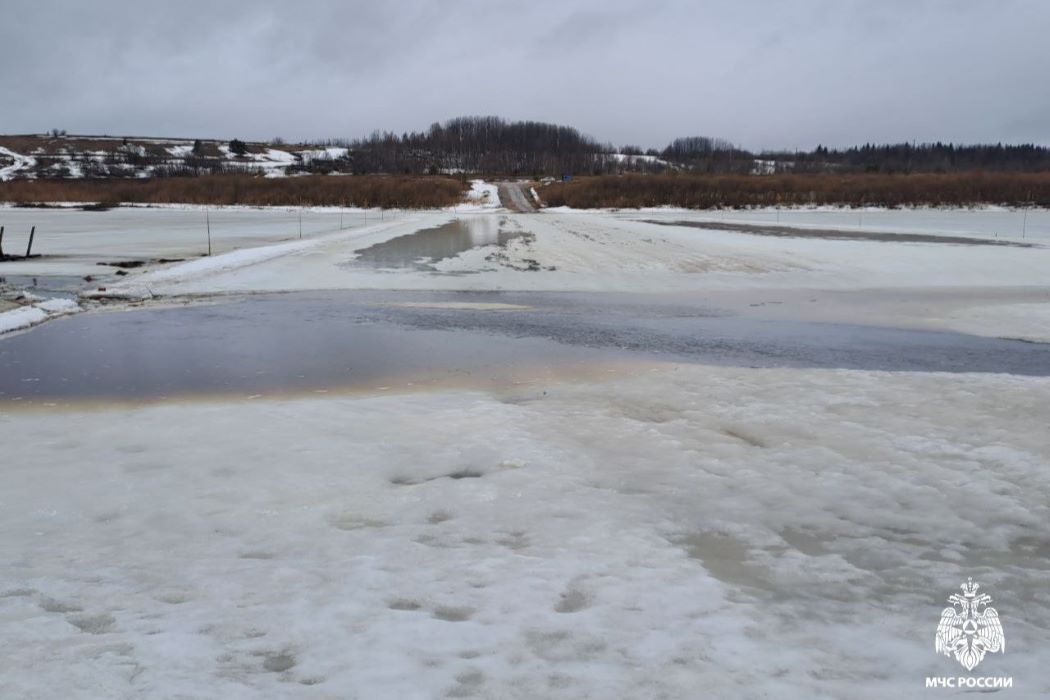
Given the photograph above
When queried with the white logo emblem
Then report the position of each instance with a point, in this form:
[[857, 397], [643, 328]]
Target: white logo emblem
[[969, 632]]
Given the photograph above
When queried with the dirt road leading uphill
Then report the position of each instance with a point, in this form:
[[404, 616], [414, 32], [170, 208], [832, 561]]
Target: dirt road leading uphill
[[515, 197]]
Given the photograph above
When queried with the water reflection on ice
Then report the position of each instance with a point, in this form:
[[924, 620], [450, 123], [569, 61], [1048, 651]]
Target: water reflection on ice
[[422, 249]]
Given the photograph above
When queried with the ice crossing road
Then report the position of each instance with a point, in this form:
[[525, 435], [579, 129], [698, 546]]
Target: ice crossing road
[[513, 196]]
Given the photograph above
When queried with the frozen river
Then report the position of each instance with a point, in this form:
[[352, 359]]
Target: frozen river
[[74, 242], [480, 454]]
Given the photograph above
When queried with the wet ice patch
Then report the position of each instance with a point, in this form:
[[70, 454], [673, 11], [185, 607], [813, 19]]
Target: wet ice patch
[[459, 305], [26, 316], [93, 624], [427, 248], [278, 662]]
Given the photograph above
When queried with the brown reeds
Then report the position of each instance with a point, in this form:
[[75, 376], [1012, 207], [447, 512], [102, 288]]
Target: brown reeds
[[314, 190], [710, 191]]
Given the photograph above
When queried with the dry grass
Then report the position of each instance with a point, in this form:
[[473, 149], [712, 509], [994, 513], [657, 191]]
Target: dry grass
[[707, 191], [315, 190], [27, 145]]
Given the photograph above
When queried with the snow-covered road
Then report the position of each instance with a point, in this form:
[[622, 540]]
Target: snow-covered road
[[514, 197]]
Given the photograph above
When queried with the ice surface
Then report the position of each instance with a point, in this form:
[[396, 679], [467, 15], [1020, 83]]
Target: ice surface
[[30, 315], [671, 531], [71, 241], [23, 317], [920, 285], [58, 306], [203, 268], [751, 533], [1026, 320], [598, 251], [935, 283]]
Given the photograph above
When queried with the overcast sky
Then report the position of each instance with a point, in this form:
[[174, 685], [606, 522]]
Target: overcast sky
[[761, 73]]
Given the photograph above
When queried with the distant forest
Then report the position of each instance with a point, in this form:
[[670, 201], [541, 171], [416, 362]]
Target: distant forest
[[481, 144], [904, 158], [494, 146]]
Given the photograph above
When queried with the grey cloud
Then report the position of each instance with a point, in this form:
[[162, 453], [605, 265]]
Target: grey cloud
[[760, 73]]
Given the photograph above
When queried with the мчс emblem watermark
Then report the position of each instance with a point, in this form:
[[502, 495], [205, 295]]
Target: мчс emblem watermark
[[969, 629]]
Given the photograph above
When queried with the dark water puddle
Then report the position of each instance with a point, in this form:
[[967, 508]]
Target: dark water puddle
[[423, 249], [65, 286], [259, 345], [299, 342]]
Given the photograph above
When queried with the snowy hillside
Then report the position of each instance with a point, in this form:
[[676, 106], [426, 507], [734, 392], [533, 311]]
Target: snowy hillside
[[61, 156]]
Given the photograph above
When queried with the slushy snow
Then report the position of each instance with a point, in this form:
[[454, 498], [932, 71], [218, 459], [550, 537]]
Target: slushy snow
[[30, 315], [674, 530], [482, 196]]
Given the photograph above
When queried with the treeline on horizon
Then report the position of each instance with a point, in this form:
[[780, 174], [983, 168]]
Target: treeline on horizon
[[494, 146], [430, 169]]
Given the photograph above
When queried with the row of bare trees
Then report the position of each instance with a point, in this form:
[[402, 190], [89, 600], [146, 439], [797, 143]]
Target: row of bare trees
[[491, 145]]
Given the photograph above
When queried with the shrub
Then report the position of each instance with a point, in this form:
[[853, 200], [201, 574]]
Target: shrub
[[311, 190], [712, 191]]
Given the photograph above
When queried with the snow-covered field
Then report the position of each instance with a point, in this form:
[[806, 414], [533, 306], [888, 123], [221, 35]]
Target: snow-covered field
[[666, 531], [69, 158], [750, 533]]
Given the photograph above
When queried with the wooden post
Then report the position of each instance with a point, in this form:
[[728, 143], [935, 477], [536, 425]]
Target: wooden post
[[1, 242], [207, 222], [29, 248], [300, 223]]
